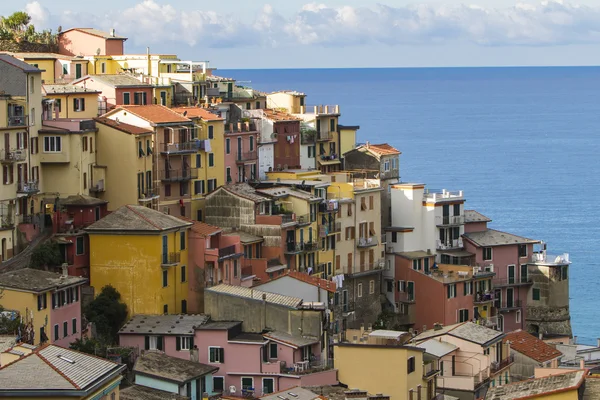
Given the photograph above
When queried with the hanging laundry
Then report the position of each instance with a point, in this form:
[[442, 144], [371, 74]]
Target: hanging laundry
[[207, 145]]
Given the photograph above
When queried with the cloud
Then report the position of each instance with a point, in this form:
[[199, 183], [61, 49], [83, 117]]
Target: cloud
[[546, 23]]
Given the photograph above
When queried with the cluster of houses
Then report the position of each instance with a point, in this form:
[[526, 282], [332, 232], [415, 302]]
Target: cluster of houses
[[258, 247]]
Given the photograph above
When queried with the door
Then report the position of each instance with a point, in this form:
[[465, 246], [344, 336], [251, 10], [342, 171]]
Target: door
[[446, 213], [511, 274], [6, 143], [268, 386], [410, 290], [97, 213], [239, 149], [510, 297], [524, 274], [230, 90], [77, 71], [163, 98]]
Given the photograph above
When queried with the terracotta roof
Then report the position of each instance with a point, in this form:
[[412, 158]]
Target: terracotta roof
[[123, 127], [312, 280], [201, 228], [383, 149], [197, 112], [95, 32], [276, 115], [154, 113], [530, 346]]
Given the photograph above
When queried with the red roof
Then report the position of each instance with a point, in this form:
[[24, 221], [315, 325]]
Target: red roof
[[197, 112], [154, 113], [531, 346], [312, 280], [201, 228], [131, 129], [383, 149]]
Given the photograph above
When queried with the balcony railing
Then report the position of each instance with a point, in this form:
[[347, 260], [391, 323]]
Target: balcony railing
[[308, 137], [12, 156], [443, 194], [429, 369], [17, 120], [299, 247], [324, 136], [445, 220], [175, 175], [405, 297], [334, 227], [185, 147], [149, 194], [449, 245], [97, 186], [514, 281], [246, 156], [509, 305], [28, 187], [227, 252], [549, 259], [483, 298], [497, 366], [489, 322], [327, 207], [368, 241], [171, 258], [303, 220]]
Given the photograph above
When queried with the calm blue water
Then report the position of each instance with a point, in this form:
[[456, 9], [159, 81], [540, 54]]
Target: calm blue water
[[522, 142]]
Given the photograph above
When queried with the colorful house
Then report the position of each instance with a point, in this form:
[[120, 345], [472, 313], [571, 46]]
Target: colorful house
[[530, 353], [70, 101], [117, 90], [241, 151], [48, 302], [56, 68], [142, 253], [89, 41], [53, 371]]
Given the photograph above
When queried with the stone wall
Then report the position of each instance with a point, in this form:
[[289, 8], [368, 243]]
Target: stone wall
[[367, 307]]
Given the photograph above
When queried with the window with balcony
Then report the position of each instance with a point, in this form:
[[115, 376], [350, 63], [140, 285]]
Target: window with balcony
[[487, 254], [78, 104], [52, 144], [216, 355]]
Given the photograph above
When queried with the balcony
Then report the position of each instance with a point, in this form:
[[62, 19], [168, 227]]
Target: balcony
[[509, 305], [181, 148], [449, 244], [324, 136], [514, 281], [483, 298], [327, 207], [149, 195], [30, 187], [177, 175], [308, 137], [17, 120], [547, 259], [299, 247], [368, 241], [228, 252], [240, 127], [489, 322], [170, 259], [97, 186], [311, 246], [435, 195], [303, 220], [449, 220], [405, 297], [243, 157], [12, 156], [321, 109], [430, 369], [498, 366], [308, 367], [333, 227]]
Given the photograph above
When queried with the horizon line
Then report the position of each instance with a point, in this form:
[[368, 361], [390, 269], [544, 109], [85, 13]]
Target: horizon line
[[405, 67]]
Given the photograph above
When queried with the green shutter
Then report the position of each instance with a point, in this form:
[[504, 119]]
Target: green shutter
[[448, 290], [177, 343], [159, 343], [147, 342]]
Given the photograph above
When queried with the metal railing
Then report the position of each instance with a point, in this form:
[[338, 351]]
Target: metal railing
[[518, 303], [17, 120], [325, 208], [510, 281], [334, 227], [178, 174], [449, 220], [185, 147], [149, 194], [544, 258], [448, 245], [227, 251], [368, 241], [324, 136], [298, 247], [28, 187], [171, 258], [246, 156], [10, 156], [483, 298], [303, 219], [308, 137], [498, 365], [429, 369]]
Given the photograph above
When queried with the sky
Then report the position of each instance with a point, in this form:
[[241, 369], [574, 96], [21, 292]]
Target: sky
[[340, 33]]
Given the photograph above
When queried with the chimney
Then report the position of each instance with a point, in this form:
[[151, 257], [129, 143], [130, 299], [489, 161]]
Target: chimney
[[541, 336], [574, 339], [112, 32], [65, 270], [582, 364]]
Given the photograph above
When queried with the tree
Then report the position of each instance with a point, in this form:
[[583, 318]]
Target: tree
[[88, 346], [108, 314], [17, 22], [46, 255]]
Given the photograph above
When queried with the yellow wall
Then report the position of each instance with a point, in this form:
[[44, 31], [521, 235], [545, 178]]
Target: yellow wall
[[26, 304], [132, 264], [379, 370], [45, 64], [347, 140], [67, 109], [95, 65]]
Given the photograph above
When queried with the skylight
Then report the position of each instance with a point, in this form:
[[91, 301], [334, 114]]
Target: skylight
[[66, 359]]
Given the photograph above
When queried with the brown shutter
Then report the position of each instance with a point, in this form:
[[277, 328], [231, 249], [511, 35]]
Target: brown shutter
[[349, 210], [353, 232], [337, 262], [371, 228], [349, 262], [370, 202], [25, 139]]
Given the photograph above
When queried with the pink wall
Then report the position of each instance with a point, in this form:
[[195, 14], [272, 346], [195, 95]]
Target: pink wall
[[250, 157], [75, 43], [115, 47], [66, 313], [169, 344], [286, 153], [475, 227]]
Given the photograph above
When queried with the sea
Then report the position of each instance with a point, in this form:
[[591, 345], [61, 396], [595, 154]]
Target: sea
[[523, 144]]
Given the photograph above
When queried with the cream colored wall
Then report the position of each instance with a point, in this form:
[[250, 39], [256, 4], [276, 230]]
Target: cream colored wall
[[347, 140], [45, 64], [367, 216], [35, 103], [284, 100], [68, 106]]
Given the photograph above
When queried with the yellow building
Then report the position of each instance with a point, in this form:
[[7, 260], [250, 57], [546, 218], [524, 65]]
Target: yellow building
[[56, 68], [49, 303], [70, 101], [397, 371], [57, 372], [142, 253]]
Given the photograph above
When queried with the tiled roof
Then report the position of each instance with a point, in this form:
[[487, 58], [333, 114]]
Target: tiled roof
[[56, 368], [533, 388], [115, 80], [164, 324], [492, 237], [123, 127], [156, 114], [219, 325], [66, 89], [530, 346], [295, 393], [246, 191], [137, 218], [474, 216], [281, 191], [311, 280], [245, 237], [382, 149], [276, 115], [465, 330], [171, 368], [37, 281], [96, 32], [201, 228], [294, 341], [139, 392], [248, 293], [22, 65], [82, 200], [197, 112]]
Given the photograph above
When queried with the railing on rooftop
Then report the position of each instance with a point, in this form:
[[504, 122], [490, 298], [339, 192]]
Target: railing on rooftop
[[441, 194], [320, 109], [442, 220], [360, 183], [499, 365], [550, 259], [240, 127]]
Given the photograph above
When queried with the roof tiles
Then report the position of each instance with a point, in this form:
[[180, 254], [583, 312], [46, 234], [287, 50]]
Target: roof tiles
[[197, 112], [492, 237], [155, 113], [311, 280], [530, 346], [248, 293], [382, 149]]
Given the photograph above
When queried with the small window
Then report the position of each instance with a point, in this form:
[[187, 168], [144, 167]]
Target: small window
[[166, 309], [518, 317], [211, 159], [183, 274], [218, 383], [451, 290], [536, 294], [65, 329], [211, 134], [184, 306], [371, 286], [522, 250], [216, 355], [79, 104], [182, 240], [394, 237], [487, 254], [74, 322], [126, 98], [359, 290], [80, 246], [103, 68], [411, 365], [184, 343], [165, 278], [227, 146], [56, 336]]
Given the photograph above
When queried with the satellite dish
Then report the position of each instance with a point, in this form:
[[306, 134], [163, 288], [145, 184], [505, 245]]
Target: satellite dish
[[232, 389]]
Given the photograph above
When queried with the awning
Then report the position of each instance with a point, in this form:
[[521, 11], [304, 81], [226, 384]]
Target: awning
[[275, 268]]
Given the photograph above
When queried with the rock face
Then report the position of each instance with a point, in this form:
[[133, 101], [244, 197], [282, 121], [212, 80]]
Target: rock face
[[26, 47]]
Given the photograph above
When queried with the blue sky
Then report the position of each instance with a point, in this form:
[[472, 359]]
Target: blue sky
[[341, 33]]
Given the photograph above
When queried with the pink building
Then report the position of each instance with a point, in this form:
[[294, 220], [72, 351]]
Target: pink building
[[89, 42], [213, 258], [241, 152], [507, 255], [117, 90]]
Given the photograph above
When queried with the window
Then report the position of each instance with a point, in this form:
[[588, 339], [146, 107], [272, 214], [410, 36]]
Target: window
[[228, 175], [184, 306], [182, 240], [211, 159], [370, 202], [359, 290], [235, 268], [139, 98], [211, 133], [56, 337], [31, 84], [184, 343], [518, 317], [52, 144], [153, 343], [524, 273], [198, 187], [57, 105], [80, 246], [468, 288], [247, 383], [79, 104], [183, 274], [487, 254], [126, 98], [216, 355], [65, 329], [166, 309], [227, 146], [42, 301], [212, 185], [394, 237], [141, 152], [268, 385], [371, 286], [91, 144], [165, 278], [273, 347], [218, 383], [564, 272], [522, 250], [386, 166], [463, 315], [536, 294], [74, 323], [451, 290], [85, 180], [410, 365], [103, 67]]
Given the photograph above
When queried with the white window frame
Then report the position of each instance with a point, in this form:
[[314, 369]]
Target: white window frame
[[242, 380], [491, 254], [263, 385], [386, 165], [79, 105], [185, 343], [452, 290], [217, 361], [359, 290], [152, 342], [53, 143], [518, 317]]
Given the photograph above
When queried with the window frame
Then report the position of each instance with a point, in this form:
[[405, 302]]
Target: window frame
[[222, 378], [491, 253], [77, 241], [51, 142], [217, 359], [359, 291]]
